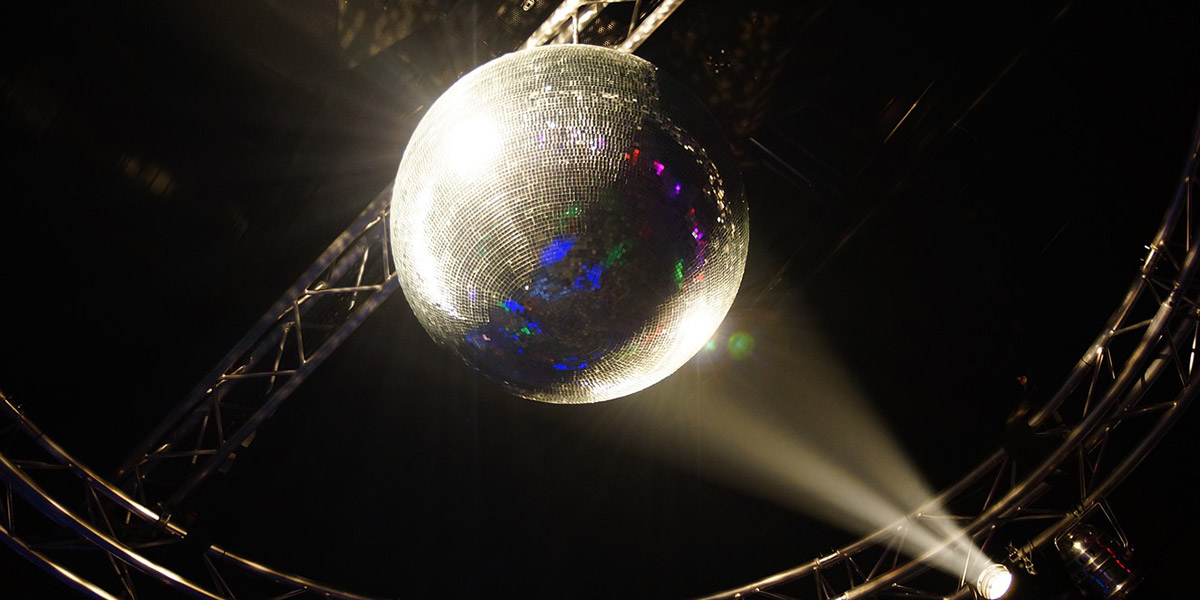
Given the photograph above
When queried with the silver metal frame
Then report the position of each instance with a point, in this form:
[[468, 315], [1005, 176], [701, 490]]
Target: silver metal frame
[[572, 16], [1141, 368], [203, 434], [101, 542], [649, 25]]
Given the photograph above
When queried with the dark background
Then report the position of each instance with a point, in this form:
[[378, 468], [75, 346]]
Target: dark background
[[171, 167]]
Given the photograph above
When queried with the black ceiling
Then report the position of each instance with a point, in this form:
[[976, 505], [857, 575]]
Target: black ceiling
[[953, 195]]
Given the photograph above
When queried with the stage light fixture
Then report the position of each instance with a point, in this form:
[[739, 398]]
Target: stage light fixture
[[994, 582], [568, 220], [1100, 567]]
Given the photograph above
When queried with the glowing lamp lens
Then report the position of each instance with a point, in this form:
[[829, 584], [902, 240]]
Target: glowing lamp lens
[[994, 582]]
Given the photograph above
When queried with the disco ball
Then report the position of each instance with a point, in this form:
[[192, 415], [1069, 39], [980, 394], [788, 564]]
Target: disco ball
[[567, 220]]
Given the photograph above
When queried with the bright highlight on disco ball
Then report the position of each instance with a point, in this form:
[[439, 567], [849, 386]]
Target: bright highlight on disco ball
[[568, 221]]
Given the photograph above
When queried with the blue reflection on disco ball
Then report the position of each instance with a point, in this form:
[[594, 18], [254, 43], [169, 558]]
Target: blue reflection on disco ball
[[568, 221]]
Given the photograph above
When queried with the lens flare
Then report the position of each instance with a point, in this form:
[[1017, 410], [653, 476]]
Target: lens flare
[[741, 345]]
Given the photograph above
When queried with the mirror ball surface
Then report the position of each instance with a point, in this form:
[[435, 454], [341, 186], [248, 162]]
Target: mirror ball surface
[[569, 221]]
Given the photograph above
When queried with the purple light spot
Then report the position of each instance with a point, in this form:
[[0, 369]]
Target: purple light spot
[[677, 188], [696, 233], [658, 168]]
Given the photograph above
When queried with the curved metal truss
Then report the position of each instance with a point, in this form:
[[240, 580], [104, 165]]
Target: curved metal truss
[[1120, 399], [102, 537], [87, 533], [1065, 457], [110, 539]]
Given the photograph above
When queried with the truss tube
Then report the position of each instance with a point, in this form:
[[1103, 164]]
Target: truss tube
[[856, 547], [84, 473], [1166, 229], [1122, 470], [1078, 374], [281, 394], [102, 486], [553, 23], [55, 570], [1027, 487], [1143, 384], [374, 211], [280, 577], [1131, 461], [263, 349], [1091, 359], [583, 18], [649, 25], [52, 509]]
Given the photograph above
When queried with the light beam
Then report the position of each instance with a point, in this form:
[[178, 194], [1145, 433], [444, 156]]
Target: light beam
[[790, 424]]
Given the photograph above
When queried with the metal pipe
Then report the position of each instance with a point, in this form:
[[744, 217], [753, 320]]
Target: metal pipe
[[57, 571], [649, 25], [1126, 466], [185, 411], [782, 577], [99, 484], [52, 509], [277, 398], [1165, 230], [1025, 489], [281, 577], [583, 18], [553, 24], [84, 473]]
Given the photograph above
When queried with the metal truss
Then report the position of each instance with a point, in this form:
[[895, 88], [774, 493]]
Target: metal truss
[[111, 539], [572, 16], [203, 434], [1120, 399], [90, 535], [116, 538], [1063, 458], [219, 417]]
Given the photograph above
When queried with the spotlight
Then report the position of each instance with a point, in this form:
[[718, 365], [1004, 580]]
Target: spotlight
[[1099, 566], [994, 582]]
